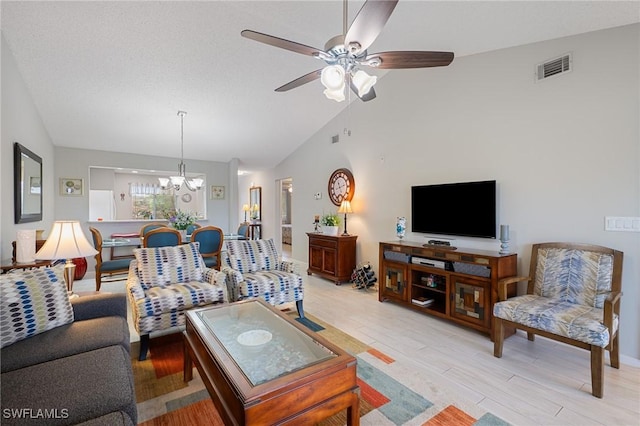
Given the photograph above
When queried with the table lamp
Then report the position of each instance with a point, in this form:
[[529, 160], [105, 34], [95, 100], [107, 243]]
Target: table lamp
[[66, 241], [345, 207], [245, 209]]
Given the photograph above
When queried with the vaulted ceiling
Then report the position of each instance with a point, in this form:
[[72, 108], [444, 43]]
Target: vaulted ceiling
[[112, 75]]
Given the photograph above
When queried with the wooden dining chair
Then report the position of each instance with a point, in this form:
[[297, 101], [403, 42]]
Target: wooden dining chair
[[243, 230], [211, 239], [106, 267], [162, 237]]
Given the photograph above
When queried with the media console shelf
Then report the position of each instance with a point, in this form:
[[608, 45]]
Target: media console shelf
[[459, 285]]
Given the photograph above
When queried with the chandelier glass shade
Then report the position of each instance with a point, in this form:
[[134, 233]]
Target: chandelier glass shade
[[334, 78], [180, 179]]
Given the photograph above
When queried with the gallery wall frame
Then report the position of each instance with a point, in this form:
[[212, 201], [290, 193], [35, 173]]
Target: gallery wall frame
[[71, 187]]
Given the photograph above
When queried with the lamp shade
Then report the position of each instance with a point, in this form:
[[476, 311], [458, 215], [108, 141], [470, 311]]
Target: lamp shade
[[345, 207], [336, 95], [363, 82], [66, 241], [245, 207], [332, 77]]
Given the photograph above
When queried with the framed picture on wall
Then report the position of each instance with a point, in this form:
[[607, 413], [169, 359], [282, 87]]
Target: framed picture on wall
[[71, 187], [217, 192]]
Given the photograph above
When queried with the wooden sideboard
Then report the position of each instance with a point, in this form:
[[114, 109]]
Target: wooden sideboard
[[458, 285], [332, 257]]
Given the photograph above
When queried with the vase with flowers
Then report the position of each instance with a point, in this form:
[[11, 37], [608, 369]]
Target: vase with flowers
[[181, 220]]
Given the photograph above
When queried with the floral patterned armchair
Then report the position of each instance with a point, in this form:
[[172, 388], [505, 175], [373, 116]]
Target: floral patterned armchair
[[573, 296], [254, 269]]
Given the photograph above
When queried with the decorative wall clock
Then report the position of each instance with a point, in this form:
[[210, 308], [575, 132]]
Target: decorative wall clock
[[341, 186]]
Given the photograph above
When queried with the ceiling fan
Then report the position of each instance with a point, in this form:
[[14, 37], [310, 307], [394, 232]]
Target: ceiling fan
[[346, 53]]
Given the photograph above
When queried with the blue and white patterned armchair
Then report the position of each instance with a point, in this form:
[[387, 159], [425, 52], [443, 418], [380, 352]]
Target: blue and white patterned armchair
[[254, 269], [573, 296], [164, 282]]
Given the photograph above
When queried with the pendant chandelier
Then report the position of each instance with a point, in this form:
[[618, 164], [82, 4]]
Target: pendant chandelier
[[176, 182]]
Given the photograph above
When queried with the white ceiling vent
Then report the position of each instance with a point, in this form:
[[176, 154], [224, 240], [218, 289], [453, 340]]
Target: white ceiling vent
[[554, 67]]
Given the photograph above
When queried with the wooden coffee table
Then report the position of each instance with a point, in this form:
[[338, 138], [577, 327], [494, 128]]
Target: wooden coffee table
[[262, 368]]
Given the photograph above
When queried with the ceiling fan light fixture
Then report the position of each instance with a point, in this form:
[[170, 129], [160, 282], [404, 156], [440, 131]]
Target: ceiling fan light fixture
[[336, 95], [363, 82], [332, 77]]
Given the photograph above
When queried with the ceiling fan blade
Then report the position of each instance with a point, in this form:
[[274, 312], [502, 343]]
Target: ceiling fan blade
[[368, 24], [280, 42], [307, 78], [410, 59]]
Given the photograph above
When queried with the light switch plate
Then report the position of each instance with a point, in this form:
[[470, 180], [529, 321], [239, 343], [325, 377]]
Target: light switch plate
[[622, 224]]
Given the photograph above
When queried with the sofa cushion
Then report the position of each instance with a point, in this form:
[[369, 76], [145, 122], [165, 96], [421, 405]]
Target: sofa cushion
[[31, 302], [578, 322], [112, 419], [159, 266], [275, 287], [78, 388], [69, 339], [252, 255]]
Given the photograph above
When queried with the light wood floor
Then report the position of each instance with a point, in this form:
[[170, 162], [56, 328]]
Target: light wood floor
[[534, 383]]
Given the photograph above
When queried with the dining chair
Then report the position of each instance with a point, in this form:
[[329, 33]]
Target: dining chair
[[192, 228], [150, 227], [106, 267], [211, 239], [162, 237], [243, 230]]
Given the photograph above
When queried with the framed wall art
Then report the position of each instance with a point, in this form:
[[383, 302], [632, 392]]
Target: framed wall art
[[71, 187], [217, 192]]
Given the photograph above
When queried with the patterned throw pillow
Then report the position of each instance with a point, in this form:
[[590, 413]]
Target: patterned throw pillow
[[32, 302], [159, 266], [252, 255]]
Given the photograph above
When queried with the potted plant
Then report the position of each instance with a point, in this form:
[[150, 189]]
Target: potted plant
[[330, 223]]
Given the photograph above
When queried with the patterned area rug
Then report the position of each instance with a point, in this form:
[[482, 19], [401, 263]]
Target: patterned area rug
[[164, 399]]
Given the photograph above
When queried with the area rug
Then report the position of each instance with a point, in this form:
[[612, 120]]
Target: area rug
[[164, 399]]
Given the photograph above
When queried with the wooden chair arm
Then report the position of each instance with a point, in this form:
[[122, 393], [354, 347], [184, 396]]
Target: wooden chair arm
[[611, 306], [503, 285]]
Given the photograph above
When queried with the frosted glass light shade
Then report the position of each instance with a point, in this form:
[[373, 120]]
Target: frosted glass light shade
[[336, 95], [363, 82], [332, 77], [197, 182], [66, 241], [164, 183]]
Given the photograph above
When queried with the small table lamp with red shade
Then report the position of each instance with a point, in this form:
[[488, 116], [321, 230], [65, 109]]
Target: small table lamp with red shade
[[66, 241]]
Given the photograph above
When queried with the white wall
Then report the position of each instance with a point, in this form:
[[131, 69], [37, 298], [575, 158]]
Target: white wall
[[565, 152], [21, 123]]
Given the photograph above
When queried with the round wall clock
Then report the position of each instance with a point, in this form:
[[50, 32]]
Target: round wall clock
[[341, 186], [186, 198]]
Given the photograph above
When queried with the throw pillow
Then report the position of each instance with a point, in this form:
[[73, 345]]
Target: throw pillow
[[32, 302], [159, 266]]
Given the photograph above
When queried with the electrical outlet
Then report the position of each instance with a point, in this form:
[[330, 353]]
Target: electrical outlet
[[317, 195]]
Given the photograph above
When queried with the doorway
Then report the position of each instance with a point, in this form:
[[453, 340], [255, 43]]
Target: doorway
[[286, 196]]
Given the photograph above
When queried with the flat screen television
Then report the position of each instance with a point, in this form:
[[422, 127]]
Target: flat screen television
[[466, 209]]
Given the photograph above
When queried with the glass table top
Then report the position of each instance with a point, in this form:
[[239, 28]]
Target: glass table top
[[263, 345]]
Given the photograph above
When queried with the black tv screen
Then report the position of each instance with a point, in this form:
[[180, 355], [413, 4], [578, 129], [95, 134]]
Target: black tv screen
[[466, 209]]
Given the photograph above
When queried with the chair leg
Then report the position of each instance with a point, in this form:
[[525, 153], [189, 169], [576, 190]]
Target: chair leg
[[597, 371], [531, 336], [98, 280], [614, 357], [498, 337], [144, 347], [299, 308]]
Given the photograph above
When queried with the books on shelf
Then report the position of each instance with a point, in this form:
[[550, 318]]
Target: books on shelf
[[422, 301]]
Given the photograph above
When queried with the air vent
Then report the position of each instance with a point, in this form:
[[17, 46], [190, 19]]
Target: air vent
[[335, 139], [554, 67]]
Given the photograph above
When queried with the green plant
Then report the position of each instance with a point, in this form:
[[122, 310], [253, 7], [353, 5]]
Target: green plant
[[330, 219], [181, 220]]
